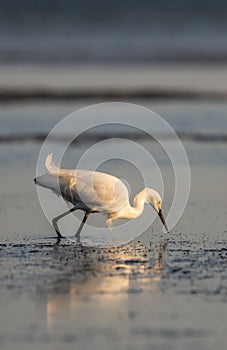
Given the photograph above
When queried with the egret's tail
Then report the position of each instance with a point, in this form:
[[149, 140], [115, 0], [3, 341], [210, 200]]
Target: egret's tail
[[53, 169], [56, 179], [50, 166]]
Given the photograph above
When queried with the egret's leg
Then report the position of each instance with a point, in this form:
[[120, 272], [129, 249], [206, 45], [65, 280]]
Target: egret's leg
[[55, 220], [77, 235]]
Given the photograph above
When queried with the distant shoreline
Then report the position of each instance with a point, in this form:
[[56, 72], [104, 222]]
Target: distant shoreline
[[97, 137], [64, 94], [72, 57]]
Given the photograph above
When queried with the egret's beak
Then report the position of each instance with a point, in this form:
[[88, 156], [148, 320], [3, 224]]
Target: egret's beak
[[160, 214]]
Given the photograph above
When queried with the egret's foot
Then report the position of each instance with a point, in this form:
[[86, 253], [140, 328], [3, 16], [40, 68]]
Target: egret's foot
[[77, 235], [78, 240], [54, 223], [60, 236], [59, 239]]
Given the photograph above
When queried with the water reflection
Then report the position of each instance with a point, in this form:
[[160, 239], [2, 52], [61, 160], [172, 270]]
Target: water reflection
[[100, 280]]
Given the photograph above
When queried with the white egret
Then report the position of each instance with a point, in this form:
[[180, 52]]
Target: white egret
[[96, 192]]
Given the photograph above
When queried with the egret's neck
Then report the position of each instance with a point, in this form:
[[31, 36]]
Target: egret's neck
[[130, 212], [139, 201]]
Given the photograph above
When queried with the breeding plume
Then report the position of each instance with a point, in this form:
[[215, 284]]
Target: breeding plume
[[96, 192]]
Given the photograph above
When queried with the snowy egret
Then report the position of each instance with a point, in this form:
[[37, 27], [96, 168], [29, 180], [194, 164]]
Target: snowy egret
[[96, 192]]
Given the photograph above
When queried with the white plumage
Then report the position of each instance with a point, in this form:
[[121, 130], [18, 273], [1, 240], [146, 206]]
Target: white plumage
[[93, 191]]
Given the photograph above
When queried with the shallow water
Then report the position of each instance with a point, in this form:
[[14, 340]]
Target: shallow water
[[167, 295]]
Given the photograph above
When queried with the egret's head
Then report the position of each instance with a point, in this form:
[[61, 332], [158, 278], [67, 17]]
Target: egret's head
[[153, 198]]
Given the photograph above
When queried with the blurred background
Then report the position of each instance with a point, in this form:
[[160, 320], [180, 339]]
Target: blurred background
[[70, 54], [57, 31]]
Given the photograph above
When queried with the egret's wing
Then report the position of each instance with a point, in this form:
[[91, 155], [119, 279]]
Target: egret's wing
[[99, 191], [95, 190]]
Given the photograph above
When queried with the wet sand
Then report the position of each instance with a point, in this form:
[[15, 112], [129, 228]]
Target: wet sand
[[158, 292]]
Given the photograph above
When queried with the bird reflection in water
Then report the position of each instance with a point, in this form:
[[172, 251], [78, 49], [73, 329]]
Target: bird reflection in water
[[104, 279]]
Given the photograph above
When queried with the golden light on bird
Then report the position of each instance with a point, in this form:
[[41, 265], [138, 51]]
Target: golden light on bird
[[96, 192]]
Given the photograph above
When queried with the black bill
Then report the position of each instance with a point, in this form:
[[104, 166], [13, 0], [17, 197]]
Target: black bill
[[160, 214]]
